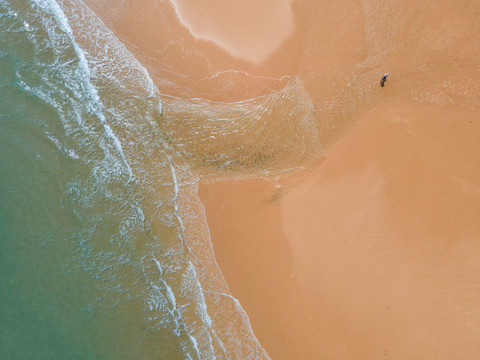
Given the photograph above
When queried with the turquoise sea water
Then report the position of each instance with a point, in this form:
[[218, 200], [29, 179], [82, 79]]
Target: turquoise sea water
[[95, 259]]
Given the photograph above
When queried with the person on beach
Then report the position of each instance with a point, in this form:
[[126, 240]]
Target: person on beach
[[383, 79]]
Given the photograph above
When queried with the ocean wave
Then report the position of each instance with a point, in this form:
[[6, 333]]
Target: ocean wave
[[261, 136], [132, 236]]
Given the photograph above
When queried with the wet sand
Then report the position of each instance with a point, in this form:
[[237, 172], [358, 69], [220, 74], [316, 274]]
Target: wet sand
[[270, 23], [373, 254], [256, 259]]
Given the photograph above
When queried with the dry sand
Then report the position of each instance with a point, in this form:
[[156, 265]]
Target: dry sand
[[374, 253]]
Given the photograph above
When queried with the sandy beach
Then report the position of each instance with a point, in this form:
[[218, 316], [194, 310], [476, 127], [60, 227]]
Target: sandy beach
[[372, 255], [372, 252]]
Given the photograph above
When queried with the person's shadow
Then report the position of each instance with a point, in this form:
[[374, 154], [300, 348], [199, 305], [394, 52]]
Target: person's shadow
[[382, 83]]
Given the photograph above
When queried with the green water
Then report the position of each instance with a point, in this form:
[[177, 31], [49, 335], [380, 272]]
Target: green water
[[73, 237], [99, 257], [39, 298]]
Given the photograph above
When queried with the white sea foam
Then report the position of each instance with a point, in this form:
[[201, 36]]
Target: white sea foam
[[52, 7], [183, 311]]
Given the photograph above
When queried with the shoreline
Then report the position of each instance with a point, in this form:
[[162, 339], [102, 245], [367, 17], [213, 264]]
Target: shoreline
[[270, 25], [255, 259]]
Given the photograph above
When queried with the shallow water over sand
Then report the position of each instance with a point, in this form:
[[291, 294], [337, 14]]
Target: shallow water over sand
[[249, 30]]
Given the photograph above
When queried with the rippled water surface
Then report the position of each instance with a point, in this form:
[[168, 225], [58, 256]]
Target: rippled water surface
[[96, 261]]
